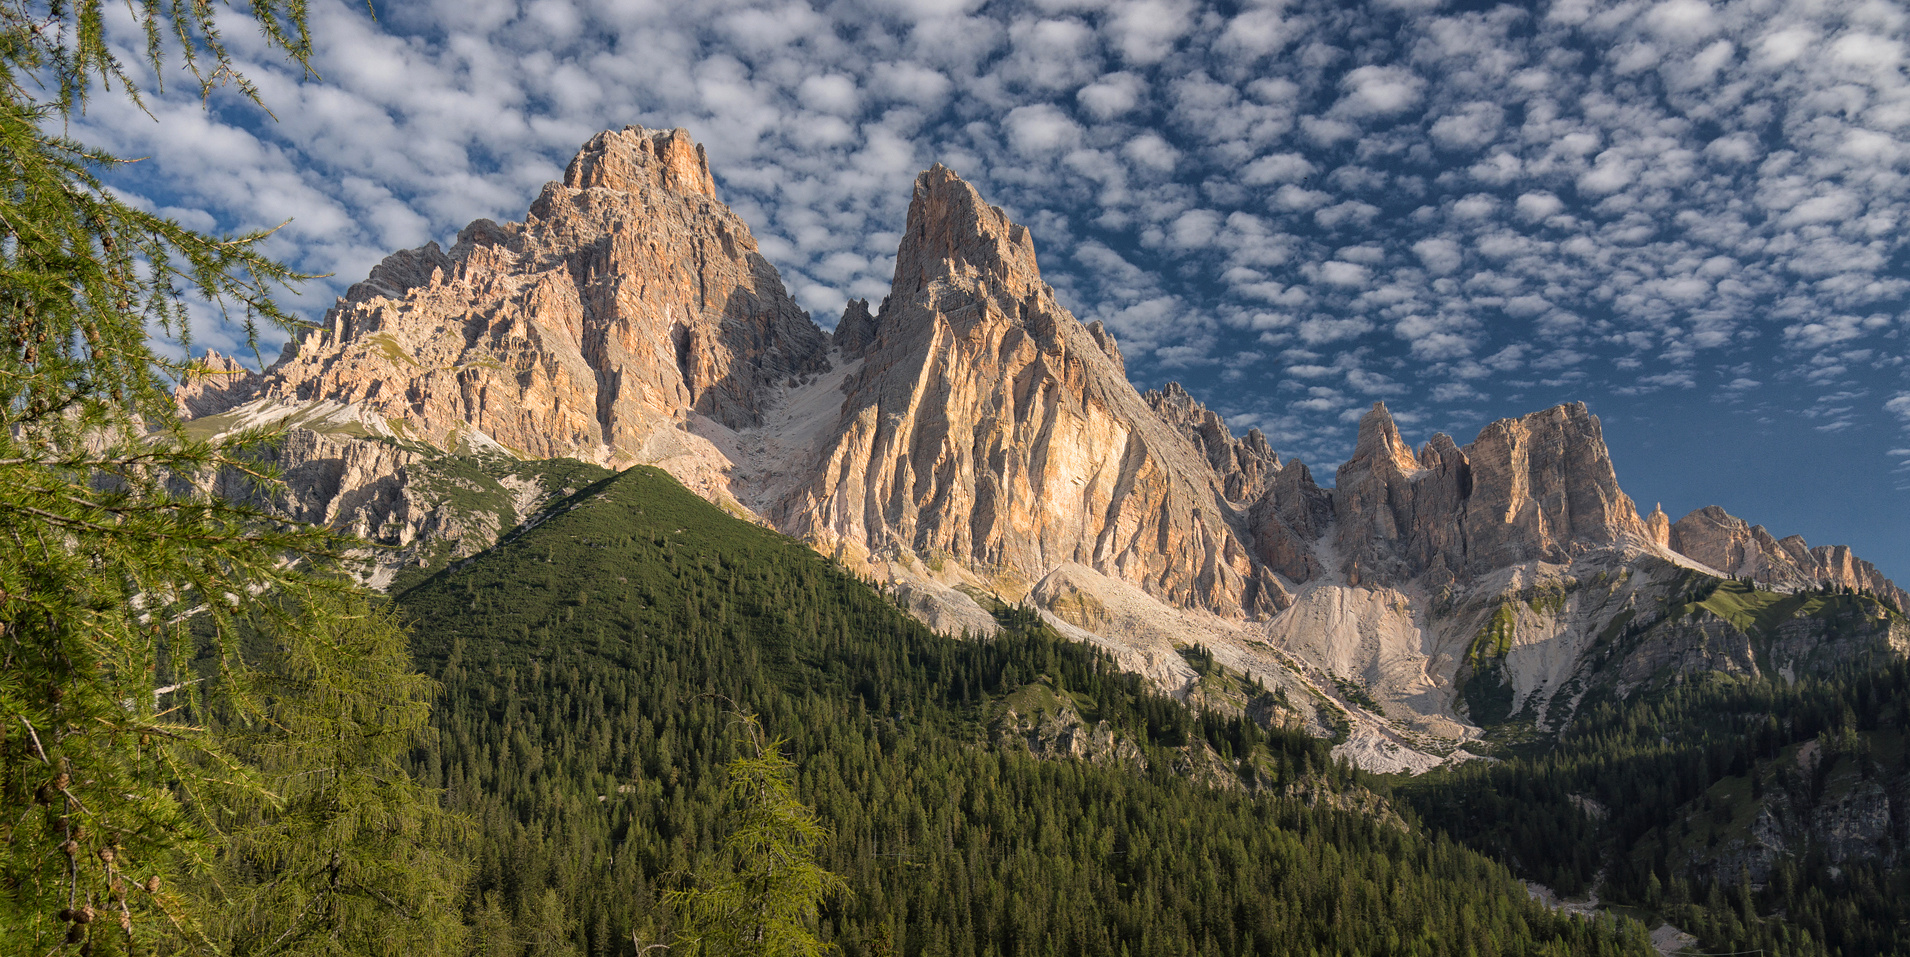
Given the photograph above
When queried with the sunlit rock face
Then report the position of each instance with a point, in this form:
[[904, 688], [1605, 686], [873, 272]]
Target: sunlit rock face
[[626, 298], [1536, 488], [968, 443], [986, 423], [1735, 547]]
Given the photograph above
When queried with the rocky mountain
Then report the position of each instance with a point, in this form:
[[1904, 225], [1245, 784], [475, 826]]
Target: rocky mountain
[[1732, 546], [974, 446], [984, 423]]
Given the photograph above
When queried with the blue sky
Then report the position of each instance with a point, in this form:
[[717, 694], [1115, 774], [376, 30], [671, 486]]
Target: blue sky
[[1690, 216]]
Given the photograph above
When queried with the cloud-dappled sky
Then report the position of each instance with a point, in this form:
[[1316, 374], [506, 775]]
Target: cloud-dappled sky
[[1690, 215]]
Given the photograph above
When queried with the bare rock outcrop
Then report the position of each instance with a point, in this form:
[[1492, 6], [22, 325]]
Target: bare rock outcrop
[[1729, 544], [855, 331], [1658, 526], [1543, 489], [627, 298], [969, 437], [990, 425], [1245, 465], [219, 384], [1536, 488]]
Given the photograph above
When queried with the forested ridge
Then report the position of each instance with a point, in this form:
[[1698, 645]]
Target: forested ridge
[[591, 670], [1675, 797]]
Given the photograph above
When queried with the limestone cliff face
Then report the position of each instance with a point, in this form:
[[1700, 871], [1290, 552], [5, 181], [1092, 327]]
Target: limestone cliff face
[[221, 384], [1735, 547], [628, 297], [988, 424], [1543, 488], [969, 435], [1536, 488], [1245, 465]]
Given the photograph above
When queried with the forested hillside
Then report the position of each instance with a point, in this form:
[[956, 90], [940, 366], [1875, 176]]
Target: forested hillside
[[1755, 813], [591, 669]]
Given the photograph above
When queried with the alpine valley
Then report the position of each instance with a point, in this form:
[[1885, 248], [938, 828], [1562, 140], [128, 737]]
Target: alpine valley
[[1693, 717]]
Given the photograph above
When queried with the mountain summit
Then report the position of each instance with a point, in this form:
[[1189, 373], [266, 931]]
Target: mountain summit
[[972, 445], [986, 424]]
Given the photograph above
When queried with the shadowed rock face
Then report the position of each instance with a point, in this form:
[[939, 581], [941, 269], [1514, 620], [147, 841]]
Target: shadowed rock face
[[1245, 465], [1730, 545], [627, 297], [988, 424]]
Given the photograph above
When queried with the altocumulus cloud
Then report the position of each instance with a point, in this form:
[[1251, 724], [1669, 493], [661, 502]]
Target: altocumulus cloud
[[1479, 205]]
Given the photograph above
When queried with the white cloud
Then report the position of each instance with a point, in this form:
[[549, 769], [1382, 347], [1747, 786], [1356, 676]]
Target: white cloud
[[1151, 151], [1350, 213], [1040, 130], [1254, 34], [1112, 95], [1145, 31], [1684, 21], [1345, 274], [830, 93], [1439, 255], [1612, 172], [1277, 168], [1899, 406], [1539, 205], [1056, 54], [1321, 330], [909, 82], [1475, 125], [1373, 91], [1194, 229]]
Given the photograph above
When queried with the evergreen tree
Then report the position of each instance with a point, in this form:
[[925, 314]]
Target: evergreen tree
[[127, 558], [765, 897], [343, 855]]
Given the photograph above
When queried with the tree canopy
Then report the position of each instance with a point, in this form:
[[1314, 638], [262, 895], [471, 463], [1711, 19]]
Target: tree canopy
[[134, 561]]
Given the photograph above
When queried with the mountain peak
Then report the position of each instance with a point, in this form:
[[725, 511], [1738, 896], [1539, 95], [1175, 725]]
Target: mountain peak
[[635, 158], [1379, 441], [954, 234], [1731, 545]]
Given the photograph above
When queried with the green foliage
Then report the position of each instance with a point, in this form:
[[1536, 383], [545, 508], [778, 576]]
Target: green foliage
[[1758, 611], [128, 575], [579, 729], [765, 896], [1683, 776], [343, 854], [1494, 640], [1483, 687]]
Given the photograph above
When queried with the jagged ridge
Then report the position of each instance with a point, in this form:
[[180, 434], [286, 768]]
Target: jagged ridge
[[970, 439]]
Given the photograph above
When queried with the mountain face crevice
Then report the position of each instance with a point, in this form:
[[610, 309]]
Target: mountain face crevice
[[972, 444]]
